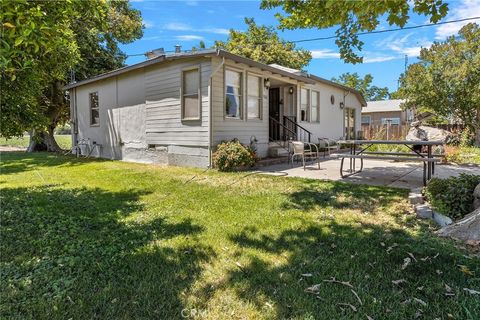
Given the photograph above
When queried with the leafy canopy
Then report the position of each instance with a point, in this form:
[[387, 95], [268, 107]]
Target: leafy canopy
[[446, 81], [262, 44], [364, 85], [352, 17], [42, 41]]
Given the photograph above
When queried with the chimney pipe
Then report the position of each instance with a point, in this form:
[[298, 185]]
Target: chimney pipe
[[178, 48]]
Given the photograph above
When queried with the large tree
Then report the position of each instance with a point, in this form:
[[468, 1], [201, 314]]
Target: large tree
[[262, 44], [446, 80], [45, 42], [352, 17], [364, 85]]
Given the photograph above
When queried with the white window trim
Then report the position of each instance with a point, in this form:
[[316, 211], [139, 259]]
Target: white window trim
[[260, 97], [90, 109], [318, 106], [307, 111], [182, 103], [242, 93]]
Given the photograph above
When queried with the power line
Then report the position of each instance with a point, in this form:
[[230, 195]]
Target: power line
[[360, 33], [390, 30]]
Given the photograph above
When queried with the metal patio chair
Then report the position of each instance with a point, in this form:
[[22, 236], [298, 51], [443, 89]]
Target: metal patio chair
[[299, 150]]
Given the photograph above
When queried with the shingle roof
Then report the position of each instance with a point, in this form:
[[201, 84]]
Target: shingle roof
[[288, 72], [383, 106]]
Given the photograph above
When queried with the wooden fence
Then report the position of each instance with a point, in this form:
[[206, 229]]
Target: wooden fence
[[398, 132]]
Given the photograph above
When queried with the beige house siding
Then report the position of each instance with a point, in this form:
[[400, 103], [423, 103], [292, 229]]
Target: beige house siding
[[376, 117], [331, 124]]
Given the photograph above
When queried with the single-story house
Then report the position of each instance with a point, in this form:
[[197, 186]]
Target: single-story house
[[378, 113], [175, 109]]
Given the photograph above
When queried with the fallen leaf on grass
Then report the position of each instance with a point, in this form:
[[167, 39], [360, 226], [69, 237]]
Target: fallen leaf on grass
[[345, 283], [307, 275], [439, 272], [397, 282], [391, 247], [313, 289], [471, 291], [348, 305], [423, 303], [368, 317], [269, 305], [356, 295], [465, 269], [239, 265], [420, 288], [412, 256], [406, 262]]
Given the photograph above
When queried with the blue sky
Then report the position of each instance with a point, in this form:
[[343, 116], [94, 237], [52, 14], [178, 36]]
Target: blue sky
[[168, 23]]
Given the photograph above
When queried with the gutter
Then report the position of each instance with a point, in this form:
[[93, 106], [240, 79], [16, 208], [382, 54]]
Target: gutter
[[210, 109]]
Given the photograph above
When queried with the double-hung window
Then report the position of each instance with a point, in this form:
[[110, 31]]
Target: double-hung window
[[191, 94], [94, 109], [315, 106], [233, 94], [304, 104], [254, 97]]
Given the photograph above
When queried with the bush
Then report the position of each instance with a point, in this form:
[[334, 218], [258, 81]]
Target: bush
[[232, 155], [453, 196]]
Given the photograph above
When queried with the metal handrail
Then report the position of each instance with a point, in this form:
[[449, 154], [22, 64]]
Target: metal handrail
[[299, 133]]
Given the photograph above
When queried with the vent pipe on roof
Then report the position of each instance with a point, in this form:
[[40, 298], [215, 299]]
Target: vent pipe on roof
[[178, 48], [155, 53]]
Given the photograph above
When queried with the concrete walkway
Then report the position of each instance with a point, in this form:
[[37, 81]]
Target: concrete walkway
[[375, 172]]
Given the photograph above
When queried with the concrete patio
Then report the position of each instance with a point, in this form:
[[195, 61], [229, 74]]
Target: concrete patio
[[375, 172]]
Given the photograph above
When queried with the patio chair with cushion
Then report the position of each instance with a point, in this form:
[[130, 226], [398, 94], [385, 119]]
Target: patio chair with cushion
[[327, 144], [310, 152]]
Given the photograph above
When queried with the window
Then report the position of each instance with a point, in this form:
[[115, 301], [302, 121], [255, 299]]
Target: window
[[304, 104], [315, 106], [390, 120], [233, 94], [254, 98], [367, 120], [349, 123], [94, 109], [191, 94]]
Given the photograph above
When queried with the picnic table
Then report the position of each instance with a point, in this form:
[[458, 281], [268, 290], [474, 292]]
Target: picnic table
[[359, 149]]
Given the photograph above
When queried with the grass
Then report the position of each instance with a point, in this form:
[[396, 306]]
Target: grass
[[63, 140], [111, 240]]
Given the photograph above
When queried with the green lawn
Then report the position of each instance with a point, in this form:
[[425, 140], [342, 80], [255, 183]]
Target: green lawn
[[83, 238], [63, 140]]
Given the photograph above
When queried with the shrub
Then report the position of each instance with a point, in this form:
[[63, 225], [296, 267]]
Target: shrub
[[452, 154], [453, 196], [232, 155]]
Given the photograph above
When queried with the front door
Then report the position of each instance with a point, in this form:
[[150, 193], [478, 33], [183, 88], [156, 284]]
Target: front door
[[274, 112]]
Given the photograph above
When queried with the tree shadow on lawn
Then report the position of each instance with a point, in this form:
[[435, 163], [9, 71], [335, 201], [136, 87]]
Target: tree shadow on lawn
[[340, 195], [72, 253], [16, 162], [277, 269]]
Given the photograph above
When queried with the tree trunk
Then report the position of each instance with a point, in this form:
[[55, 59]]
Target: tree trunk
[[477, 137], [466, 229], [43, 141]]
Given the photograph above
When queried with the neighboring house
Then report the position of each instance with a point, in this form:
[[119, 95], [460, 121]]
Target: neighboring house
[[382, 112], [175, 109]]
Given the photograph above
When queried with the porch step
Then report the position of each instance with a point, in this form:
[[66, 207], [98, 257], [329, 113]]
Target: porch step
[[277, 151]]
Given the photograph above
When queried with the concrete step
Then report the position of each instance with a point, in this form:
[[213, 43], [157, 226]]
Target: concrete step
[[277, 151], [423, 211]]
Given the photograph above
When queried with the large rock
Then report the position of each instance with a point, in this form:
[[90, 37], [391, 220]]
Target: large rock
[[466, 229], [425, 133], [476, 197]]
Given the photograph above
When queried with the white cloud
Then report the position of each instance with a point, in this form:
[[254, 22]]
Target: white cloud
[[325, 54], [404, 45], [191, 3], [464, 9], [373, 59], [177, 26], [188, 37], [148, 24]]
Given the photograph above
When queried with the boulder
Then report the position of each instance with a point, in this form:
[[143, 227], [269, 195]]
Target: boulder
[[425, 133], [466, 229], [476, 197]]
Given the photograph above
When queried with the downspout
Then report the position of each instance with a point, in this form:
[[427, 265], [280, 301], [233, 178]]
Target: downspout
[[210, 114], [73, 98]]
